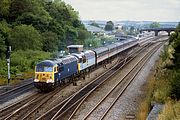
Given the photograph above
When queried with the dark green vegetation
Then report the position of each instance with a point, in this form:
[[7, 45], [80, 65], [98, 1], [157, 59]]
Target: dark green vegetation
[[154, 25], [164, 86], [109, 26], [36, 29], [95, 24], [175, 66]]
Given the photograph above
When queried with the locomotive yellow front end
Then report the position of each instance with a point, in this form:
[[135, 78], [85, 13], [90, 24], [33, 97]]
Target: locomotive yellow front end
[[44, 76]]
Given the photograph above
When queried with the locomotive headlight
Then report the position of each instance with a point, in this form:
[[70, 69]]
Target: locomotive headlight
[[36, 80], [49, 81]]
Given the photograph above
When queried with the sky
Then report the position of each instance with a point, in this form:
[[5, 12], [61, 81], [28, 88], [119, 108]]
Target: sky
[[141, 10]]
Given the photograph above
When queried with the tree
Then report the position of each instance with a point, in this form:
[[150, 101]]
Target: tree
[[132, 31], [19, 7], [4, 8], [44, 16], [82, 35], [65, 23], [71, 35], [50, 41], [154, 25], [25, 37], [2, 46], [175, 41], [109, 26], [94, 24], [5, 29], [92, 43], [175, 83]]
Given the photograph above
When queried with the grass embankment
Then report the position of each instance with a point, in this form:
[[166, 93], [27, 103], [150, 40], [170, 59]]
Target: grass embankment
[[15, 79], [162, 88]]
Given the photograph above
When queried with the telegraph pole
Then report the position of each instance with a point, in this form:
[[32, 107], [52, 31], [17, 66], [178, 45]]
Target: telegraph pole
[[8, 52]]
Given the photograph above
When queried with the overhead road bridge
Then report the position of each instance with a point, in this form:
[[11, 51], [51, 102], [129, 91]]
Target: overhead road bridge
[[157, 30]]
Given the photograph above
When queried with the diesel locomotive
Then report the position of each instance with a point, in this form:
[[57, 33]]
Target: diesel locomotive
[[51, 73]]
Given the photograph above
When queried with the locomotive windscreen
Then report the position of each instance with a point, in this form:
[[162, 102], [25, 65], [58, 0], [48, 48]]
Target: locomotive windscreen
[[44, 69]]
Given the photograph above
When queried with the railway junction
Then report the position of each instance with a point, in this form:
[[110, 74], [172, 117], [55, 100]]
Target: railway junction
[[111, 92]]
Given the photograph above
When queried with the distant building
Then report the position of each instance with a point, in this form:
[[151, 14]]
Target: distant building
[[94, 30]]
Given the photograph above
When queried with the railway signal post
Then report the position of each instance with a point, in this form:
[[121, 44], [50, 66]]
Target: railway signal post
[[8, 52]]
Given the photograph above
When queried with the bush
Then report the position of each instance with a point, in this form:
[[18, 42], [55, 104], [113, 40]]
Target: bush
[[93, 43], [23, 61], [175, 83]]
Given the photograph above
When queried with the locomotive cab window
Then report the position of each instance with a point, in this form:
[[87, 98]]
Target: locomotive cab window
[[48, 69], [80, 60], [39, 69], [84, 59], [44, 69], [55, 69]]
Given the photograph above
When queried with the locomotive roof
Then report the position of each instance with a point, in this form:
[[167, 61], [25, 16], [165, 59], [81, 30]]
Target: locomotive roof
[[46, 63], [79, 55], [52, 62], [74, 46], [86, 53]]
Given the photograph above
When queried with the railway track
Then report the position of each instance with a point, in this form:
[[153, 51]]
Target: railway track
[[59, 110], [31, 105], [6, 111], [102, 107], [26, 107], [17, 91]]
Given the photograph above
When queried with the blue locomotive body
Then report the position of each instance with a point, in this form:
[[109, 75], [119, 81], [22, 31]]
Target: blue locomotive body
[[50, 73]]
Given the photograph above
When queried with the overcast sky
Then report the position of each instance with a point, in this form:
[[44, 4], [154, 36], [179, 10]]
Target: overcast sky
[[156, 10]]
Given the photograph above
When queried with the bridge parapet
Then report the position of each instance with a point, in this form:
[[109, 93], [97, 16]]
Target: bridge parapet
[[157, 30]]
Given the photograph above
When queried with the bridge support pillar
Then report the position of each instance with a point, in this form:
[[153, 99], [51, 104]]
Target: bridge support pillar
[[156, 33], [169, 33]]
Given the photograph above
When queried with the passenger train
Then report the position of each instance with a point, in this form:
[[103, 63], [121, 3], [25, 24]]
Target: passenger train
[[53, 72]]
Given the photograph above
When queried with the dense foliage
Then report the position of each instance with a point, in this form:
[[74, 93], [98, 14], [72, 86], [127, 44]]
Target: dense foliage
[[168, 73], [175, 68], [33, 20], [109, 26], [154, 25], [23, 61], [36, 25], [164, 84], [95, 24]]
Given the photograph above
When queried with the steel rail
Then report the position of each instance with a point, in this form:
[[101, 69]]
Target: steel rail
[[112, 88], [123, 79], [63, 109]]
